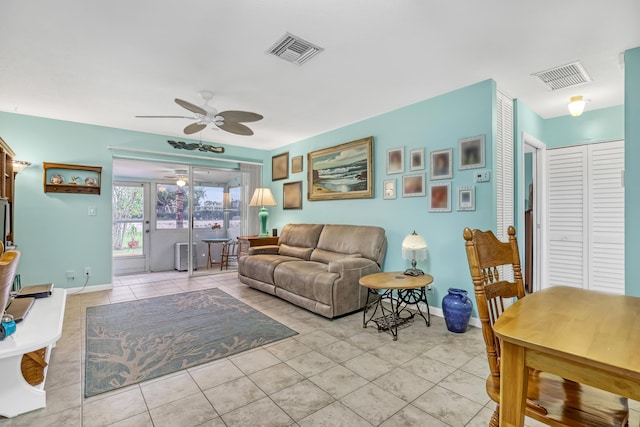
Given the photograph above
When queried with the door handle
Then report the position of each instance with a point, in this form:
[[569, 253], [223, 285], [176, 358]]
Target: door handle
[[146, 231]]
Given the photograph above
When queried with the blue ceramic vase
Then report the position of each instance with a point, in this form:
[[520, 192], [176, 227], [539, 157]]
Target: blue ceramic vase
[[457, 307]]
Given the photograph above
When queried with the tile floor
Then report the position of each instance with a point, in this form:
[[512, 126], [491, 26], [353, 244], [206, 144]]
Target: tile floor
[[334, 373]]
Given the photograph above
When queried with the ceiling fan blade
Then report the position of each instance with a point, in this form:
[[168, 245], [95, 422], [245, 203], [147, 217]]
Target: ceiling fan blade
[[166, 117], [237, 128], [240, 116], [189, 106], [194, 127]]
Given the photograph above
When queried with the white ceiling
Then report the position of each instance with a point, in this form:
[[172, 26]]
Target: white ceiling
[[105, 62]]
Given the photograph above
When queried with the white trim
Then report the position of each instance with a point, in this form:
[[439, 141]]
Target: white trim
[[540, 236], [190, 156], [92, 288]]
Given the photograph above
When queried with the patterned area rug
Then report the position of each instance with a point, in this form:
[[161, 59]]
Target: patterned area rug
[[135, 341]]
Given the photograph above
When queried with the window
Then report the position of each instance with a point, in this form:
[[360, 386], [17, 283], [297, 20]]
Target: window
[[172, 206]]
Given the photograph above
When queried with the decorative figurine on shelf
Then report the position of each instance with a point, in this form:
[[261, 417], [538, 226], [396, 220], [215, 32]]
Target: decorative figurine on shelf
[[90, 181], [74, 180], [57, 179]]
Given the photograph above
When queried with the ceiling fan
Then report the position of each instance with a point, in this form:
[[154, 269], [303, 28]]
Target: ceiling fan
[[228, 121]]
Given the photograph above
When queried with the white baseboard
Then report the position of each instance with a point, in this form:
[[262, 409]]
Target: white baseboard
[[92, 288]]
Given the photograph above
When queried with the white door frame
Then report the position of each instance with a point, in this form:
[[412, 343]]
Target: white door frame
[[136, 264], [539, 216]]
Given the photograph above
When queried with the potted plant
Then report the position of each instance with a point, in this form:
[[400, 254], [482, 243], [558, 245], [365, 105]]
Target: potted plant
[[133, 243]]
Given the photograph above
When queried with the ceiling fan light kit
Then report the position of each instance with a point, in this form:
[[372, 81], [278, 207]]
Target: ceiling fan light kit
[[229, 121]]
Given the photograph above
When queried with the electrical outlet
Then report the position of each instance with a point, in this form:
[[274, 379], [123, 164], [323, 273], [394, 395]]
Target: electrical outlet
[[71, 275], [430, 289], [87, 271]]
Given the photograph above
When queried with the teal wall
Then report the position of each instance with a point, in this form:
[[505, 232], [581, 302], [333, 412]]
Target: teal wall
[[433, 124], [632, 171], [606, 124], [54, 231]]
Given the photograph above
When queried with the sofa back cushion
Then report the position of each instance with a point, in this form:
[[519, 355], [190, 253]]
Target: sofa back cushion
[[302, 253], [300, 235], [320, 255], [368, 241]]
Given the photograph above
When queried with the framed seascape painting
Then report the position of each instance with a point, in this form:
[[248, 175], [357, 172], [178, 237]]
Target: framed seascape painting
[[280, 166], [413, 185], [471, 152], [343, 171], [292, 195], [440, 197], [441, 167], [416, 157], [395, 160]]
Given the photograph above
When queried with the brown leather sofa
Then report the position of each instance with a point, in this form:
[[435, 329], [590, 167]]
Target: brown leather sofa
[[317, 266]]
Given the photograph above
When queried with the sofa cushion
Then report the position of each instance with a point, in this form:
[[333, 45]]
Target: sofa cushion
[[261, 267], [308, 279], [294, 251], [320, 255], [368, 241], [300, 235]]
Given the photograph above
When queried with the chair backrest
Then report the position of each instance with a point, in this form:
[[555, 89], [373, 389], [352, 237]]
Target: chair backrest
[[230, 248], [487, 256], [8, 265]]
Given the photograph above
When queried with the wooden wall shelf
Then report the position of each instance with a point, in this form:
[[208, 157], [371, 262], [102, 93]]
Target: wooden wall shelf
[[59, 177]]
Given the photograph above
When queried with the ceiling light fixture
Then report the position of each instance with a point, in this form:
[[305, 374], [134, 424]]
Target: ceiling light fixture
[[576, 106], [182, 181]]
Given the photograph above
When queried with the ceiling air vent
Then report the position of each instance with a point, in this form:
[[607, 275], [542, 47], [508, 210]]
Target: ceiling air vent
[[294, 49], [569, 75]]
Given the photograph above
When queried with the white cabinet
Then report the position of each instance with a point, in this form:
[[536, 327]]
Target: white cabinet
[[585, 217]]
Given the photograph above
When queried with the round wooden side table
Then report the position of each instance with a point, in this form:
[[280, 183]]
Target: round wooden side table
[[400, 291]]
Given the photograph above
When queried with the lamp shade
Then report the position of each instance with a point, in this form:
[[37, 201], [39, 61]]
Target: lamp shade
[[18, 165], [414, 247], [262, 197], [576, 106]]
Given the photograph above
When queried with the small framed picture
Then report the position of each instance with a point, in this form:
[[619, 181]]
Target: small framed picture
[[389, 189], [413, 185], [280, 166], [440, 197], [416, 157], [441, 167], [467, 198], [292, 195], [471, 152], [395, 160], [296, 164]]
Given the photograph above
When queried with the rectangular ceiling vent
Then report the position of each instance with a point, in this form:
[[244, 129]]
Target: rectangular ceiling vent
[[569, 75], [294, 49]]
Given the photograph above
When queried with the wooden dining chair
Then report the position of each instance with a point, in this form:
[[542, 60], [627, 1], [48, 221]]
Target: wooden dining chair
[[229, 251], [550, 399]]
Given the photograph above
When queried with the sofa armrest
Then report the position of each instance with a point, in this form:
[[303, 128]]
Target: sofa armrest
[[264, 250]]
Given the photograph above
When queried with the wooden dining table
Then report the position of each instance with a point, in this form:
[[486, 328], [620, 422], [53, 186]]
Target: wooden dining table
[[585, 336]]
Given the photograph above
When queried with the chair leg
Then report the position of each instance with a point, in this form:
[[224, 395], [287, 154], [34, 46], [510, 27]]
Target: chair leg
[[495, 418]]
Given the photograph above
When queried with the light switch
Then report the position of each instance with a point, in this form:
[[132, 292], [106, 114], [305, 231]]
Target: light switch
[[483, 176], [92, 211]]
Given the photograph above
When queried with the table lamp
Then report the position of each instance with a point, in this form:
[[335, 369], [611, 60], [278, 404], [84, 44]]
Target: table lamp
[[414, 247], [263, 197]]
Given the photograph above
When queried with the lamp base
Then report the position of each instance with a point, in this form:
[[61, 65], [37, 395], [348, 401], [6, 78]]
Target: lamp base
[[263, 215], [413, 272]]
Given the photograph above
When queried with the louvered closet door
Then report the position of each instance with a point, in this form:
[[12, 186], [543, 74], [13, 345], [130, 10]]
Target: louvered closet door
[[586, 217], [567, 205], [606, 210]]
